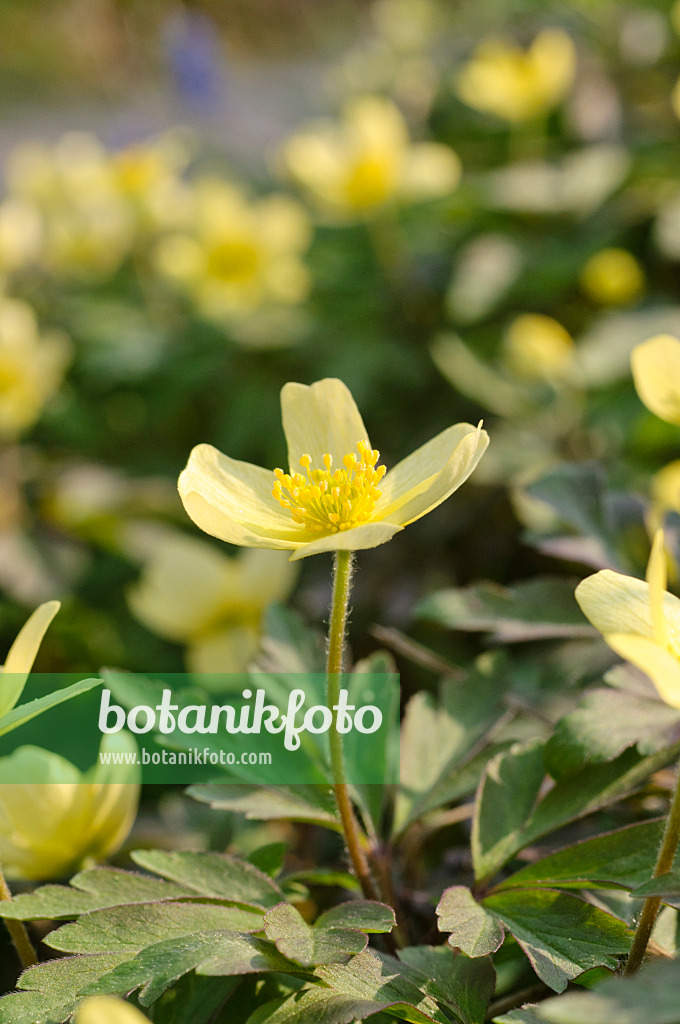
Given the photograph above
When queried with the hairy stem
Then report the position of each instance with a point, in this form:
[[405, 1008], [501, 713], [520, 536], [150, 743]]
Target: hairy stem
[[342, 575], [17, 931], [664, 863]]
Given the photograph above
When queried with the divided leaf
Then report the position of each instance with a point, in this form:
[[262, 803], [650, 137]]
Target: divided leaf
[[213, 874], [471, 928], [50, 991]]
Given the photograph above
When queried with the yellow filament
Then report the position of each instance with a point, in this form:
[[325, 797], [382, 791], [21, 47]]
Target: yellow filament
[[330, 500]]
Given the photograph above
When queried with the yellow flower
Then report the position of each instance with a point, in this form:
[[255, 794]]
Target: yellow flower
[[539, 348], [193, 594], [639, 620], [107, 1010], [31, 366], [613, 277], [656, 372], [22, 654], [238, 255], [515, 84], [57, 819], [665, 493], [367, 161], [343, 499]]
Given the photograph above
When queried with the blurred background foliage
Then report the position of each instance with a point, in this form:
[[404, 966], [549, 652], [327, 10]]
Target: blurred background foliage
[[465, 211]]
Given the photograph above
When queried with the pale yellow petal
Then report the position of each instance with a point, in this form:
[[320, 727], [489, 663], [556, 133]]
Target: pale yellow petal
[[615, 603], [369, 535], [107, 1010], [656, 372], [320, 419], [430, 170], [229, 650], [233, 501], [430, 474], [265, 577], [183, 587], [22, 654], [662, 667], [656, 580]]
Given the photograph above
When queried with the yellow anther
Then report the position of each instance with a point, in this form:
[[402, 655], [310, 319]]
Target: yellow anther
[[327, 500]]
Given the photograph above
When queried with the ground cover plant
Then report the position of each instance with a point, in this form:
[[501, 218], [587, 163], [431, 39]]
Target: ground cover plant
[[459, 243]]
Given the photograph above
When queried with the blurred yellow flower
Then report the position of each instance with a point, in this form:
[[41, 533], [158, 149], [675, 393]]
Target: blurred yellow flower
[[22, 654], [107, 1010], [149, 175], [656, 372], [87, 225], [516, 84], [537, 347], [56, 818], [639, 620], [366, 161], [344, 500], [20, 234], [665, 493], [238, 255], [213, 603], [613, 277], [32, 366]]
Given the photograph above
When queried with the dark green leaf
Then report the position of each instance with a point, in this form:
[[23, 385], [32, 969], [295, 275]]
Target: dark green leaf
[[25, 712], [50, 991], [213, 874], [310, 945], [314, 804], [535, 609], [471, 928], [561, 934], [464, 986]]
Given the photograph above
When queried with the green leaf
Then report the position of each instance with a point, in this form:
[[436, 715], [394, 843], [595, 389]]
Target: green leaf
[[667, 886], [313, 1006], [465, 986], [369, 976], [607, 722], [536, 609], [367, 915], [50, 991], [506, 798], [471, 928], [439, 739], [91, 890], [214, 953], [620, 859], [269, 858], [25, 712], [562, 935], [310, 945], [213, 874], [129, 929], [313, 804], [649, 997]]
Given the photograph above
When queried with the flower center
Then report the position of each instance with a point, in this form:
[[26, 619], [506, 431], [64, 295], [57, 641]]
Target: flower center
[[328, 500]]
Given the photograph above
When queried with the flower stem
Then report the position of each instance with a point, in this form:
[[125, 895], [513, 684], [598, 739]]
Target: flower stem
[[342, 575], [17, 931], [664, 863]]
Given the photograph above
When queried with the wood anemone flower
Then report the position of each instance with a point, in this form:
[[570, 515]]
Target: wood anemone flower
[[336, 495], [656, 372], [639, 620]]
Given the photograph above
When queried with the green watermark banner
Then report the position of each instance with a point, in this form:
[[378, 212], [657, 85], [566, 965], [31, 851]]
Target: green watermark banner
[[180, 729]]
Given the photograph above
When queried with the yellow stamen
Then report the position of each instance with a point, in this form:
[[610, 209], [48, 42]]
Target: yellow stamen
[[328, 500], [656, 579]]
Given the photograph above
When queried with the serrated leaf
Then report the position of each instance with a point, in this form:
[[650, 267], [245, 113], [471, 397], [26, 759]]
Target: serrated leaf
[[470, 927], [366, 915], [315, 1006], [536, 609], [93, 889], [50, 991], [650, 997], [607, 722], [211, 953], [506, 798], [562, 935], [370, 976], [623, 858], [213, 874], [313, 804], [25, 712], [310, 945], [129, 929], [666, 886], [465, 986]]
